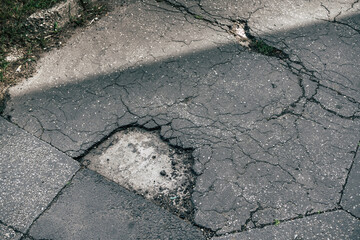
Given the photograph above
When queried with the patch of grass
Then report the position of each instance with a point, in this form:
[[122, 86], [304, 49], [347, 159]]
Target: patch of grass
[[15, 34], [13, 13], [13, 31]]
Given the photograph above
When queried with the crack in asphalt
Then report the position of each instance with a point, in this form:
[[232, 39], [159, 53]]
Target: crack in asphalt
[[260, 46], [286, 61], [26, 234], [11, 227], [311, 73], [276, 222], [287, 110], [233, 27], [348, 174], [344, 24]]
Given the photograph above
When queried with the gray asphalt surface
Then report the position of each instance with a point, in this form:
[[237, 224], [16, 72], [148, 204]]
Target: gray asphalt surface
[[274, 139], [32, 174], [94, 208]]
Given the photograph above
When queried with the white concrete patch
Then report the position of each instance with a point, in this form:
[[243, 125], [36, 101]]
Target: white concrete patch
[[139, 160]]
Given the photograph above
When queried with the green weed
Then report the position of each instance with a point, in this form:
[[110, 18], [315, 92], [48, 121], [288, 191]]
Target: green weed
[[56, 26], [276, 222]]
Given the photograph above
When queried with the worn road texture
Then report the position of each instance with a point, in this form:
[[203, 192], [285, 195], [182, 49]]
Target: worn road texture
[[274, 138], [32, 173]]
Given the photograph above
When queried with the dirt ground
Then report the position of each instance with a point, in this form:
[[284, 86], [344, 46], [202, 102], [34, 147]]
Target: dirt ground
[[46, 29]]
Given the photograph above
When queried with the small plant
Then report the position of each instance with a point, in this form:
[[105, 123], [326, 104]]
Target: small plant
[[56, 26], [199, 17], [276, 222]]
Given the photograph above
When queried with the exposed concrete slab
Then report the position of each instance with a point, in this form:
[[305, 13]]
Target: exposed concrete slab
[[331, 226], [351, 196], [95, 208], [139, 160], [32, 173], [7, 233]]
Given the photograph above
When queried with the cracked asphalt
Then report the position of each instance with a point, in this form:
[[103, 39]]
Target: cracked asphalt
[[274, 138]]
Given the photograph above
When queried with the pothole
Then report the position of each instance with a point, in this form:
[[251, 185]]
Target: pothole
[[140, 161]]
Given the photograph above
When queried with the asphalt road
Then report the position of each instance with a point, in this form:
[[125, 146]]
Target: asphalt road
[[273, 138]]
